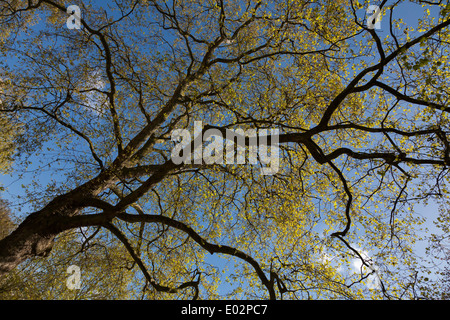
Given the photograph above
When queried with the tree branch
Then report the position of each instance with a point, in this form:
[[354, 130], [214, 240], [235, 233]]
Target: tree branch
[[211, 248]]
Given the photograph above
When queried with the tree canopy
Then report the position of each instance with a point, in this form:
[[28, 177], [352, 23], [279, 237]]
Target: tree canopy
[[362, 120]]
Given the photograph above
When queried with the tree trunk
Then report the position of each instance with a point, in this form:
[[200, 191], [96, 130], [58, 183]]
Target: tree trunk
[[32, 238], [35, 235]]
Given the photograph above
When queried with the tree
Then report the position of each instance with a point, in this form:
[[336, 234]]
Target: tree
[[9, 138], [6, 144], [438, 287], [362, 119], [6, 225]]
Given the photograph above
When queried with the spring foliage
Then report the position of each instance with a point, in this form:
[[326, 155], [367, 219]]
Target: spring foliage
[[363, 120]]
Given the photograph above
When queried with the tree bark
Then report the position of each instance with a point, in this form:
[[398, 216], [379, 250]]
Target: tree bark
[[36, 234]]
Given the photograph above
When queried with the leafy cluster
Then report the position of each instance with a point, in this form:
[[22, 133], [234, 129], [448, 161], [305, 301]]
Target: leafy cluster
[[363, 130]]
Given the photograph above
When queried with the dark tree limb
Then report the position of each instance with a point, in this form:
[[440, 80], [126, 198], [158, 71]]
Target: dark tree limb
[[210, 247]]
